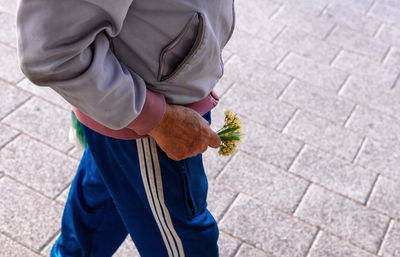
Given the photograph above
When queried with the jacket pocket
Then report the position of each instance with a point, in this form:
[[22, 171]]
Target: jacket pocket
[[181, 50]]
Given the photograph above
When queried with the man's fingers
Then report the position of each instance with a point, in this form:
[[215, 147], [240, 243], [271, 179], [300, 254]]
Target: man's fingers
[[214, 140]]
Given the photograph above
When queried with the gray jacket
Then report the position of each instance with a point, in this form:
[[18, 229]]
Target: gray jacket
[[102, 55]]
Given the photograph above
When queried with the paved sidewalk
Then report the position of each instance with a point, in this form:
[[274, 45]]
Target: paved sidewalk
[[316, 83]]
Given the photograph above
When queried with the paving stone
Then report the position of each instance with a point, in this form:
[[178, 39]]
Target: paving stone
[[213, 162], [309, 7], [46, 122], [10, 248], [317, 74], [47, 250], [385, 197], [247, 250], [6, 135], [358, 42], [45, 93], [325, 134], [11, 98], [334, 173], [393, 58], [330, 246], [284, 236], [373, 95], [27, 216], [226, 55], [389, 34], [257, 77], [355, 5], [227, 245], [250, 16], [390, 246], [269, 145], [62, 198], [397, 86], [127, 249], [258, 26], [9, 67], [269, 30], [390, 3], [316, 100], [354, 20], [257, 8], [219, 198], [223, 85], [8, 32], [375, 124], [343, 217], [301, 21], [302, 43], [372, 72], [272, 112], [76, 152], [382, 158], [9, 6], [264, 182], [255, 49], [244, 23], [37, 165], [385, 12]]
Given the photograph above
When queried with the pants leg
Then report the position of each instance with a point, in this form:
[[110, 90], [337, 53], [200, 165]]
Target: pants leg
[[161, 202], [91, 225]]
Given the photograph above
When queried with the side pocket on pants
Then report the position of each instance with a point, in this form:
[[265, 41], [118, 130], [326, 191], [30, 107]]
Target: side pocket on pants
[[195, 185]]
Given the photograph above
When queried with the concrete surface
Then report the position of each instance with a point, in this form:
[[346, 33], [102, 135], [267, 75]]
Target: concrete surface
[[316, 83]]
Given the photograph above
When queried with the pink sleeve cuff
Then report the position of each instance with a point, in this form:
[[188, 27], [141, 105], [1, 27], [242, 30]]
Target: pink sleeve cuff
[[151, 114]]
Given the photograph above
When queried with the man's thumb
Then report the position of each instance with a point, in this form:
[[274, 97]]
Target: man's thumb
[[214, 140]]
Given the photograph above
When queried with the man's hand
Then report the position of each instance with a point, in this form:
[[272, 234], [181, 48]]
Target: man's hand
[[183, 133]]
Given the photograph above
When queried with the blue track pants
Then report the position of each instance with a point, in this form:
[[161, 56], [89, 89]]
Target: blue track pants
[[131, 186]]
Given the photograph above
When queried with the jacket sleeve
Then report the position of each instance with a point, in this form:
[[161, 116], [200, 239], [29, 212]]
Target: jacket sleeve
[[64, 44]]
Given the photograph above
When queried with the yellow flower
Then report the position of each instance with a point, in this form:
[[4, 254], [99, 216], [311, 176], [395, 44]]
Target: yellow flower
[[227, 148], [230, 133]]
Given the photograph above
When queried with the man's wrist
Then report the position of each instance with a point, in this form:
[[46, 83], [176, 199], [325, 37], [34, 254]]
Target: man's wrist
[[163, 121], [151, 115]]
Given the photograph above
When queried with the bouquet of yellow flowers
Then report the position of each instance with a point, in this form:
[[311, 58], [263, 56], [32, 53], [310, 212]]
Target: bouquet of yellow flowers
[[230, 134]]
